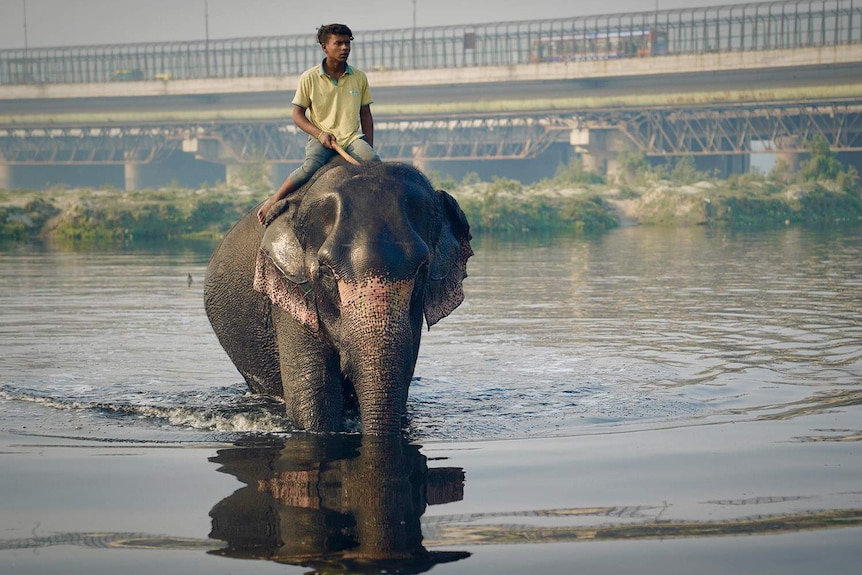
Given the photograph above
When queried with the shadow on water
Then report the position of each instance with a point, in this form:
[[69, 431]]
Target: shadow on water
[[341, 504], [354, 504]]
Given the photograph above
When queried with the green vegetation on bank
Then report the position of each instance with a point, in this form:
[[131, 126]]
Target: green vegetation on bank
[[822, 191], [99, 215]]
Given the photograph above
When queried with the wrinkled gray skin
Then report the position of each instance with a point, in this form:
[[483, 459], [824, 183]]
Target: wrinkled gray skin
[[325, 306]]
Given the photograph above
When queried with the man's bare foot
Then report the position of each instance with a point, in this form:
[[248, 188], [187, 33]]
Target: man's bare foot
[[264, 210]]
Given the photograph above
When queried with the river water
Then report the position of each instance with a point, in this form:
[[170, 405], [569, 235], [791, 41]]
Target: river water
[[573, 359]]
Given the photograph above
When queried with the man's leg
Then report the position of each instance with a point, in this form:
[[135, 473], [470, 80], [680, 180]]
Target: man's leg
[[360, 150], [315, 156]]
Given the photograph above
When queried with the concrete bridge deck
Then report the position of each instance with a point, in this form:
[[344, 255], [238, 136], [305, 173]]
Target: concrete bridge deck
[[811, 74], [771, 73]]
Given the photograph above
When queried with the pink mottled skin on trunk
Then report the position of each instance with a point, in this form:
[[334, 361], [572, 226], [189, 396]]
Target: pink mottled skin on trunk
[[375, 316], [375, 298]]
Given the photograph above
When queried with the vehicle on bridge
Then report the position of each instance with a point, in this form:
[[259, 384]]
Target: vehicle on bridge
[[600, 46], [128, 75]]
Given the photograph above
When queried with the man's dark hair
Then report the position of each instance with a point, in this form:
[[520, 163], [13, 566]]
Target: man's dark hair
[[324, 32]]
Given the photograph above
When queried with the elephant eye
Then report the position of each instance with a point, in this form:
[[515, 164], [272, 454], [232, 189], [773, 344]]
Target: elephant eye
[[327, 274], [423, 267]]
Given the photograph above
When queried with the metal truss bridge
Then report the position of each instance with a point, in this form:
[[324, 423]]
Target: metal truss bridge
[[655, 132], [687, 101]]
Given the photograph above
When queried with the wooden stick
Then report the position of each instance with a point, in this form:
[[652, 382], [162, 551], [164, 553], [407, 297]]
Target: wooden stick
[[350, 159]]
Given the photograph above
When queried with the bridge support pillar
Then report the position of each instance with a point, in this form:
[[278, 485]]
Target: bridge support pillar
[[600, 149], [419, 162], [210, 150], [238, 174], [738, 164], [7, 181], [272, 173], [723, 165], [132, 174], [788, 152], [235, 174]]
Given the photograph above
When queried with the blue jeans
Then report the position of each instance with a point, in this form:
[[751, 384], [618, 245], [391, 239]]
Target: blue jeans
[[316, 156]]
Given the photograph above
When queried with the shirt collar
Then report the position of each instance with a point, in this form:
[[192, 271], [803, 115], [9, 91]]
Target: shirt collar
[[322, 70]]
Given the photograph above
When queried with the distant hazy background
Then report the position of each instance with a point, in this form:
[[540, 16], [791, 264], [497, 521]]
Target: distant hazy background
[[82, 22]]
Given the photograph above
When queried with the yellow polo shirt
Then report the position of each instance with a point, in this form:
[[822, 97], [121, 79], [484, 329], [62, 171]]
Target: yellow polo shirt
[[333, 105]]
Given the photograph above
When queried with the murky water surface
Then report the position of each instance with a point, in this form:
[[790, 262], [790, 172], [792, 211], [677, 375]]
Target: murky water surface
[[684, 358], [556, 336]]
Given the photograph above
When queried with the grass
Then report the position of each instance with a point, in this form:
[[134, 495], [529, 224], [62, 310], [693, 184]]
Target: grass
[[82, 215], [573, 200]]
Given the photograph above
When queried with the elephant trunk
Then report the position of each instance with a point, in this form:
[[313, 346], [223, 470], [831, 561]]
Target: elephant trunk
[[379, 348]]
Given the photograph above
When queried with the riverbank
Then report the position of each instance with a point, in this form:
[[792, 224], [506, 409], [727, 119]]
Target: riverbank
[[112, 214], [572, 201], [597, 207]]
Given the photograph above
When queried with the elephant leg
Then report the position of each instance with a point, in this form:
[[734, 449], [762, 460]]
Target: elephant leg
[[310, 375]]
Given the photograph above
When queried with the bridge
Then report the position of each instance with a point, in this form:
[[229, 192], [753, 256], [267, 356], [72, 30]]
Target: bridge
[[716, 83]]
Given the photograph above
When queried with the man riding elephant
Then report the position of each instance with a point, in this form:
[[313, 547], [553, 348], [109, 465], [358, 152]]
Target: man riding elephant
[[333, 106]]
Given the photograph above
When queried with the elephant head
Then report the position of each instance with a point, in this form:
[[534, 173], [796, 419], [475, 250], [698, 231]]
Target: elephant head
[[354, 262]]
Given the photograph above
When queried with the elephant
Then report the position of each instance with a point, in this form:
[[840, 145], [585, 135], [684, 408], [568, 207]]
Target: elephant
[[324, 306], [333, 503]]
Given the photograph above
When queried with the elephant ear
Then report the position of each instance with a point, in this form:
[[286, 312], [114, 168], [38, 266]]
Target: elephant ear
[[448, 265], [280, 272]]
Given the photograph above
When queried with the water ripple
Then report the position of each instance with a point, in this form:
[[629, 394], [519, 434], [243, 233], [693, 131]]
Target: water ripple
[[640, 327]]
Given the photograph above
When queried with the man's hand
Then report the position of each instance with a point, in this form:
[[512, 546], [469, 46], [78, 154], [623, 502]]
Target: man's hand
[[326, 139]]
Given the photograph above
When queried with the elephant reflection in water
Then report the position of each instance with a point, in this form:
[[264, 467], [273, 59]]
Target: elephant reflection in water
[[344, 504]]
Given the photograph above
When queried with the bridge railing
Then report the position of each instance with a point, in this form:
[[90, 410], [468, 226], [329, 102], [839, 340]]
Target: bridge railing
[[730, 28]]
